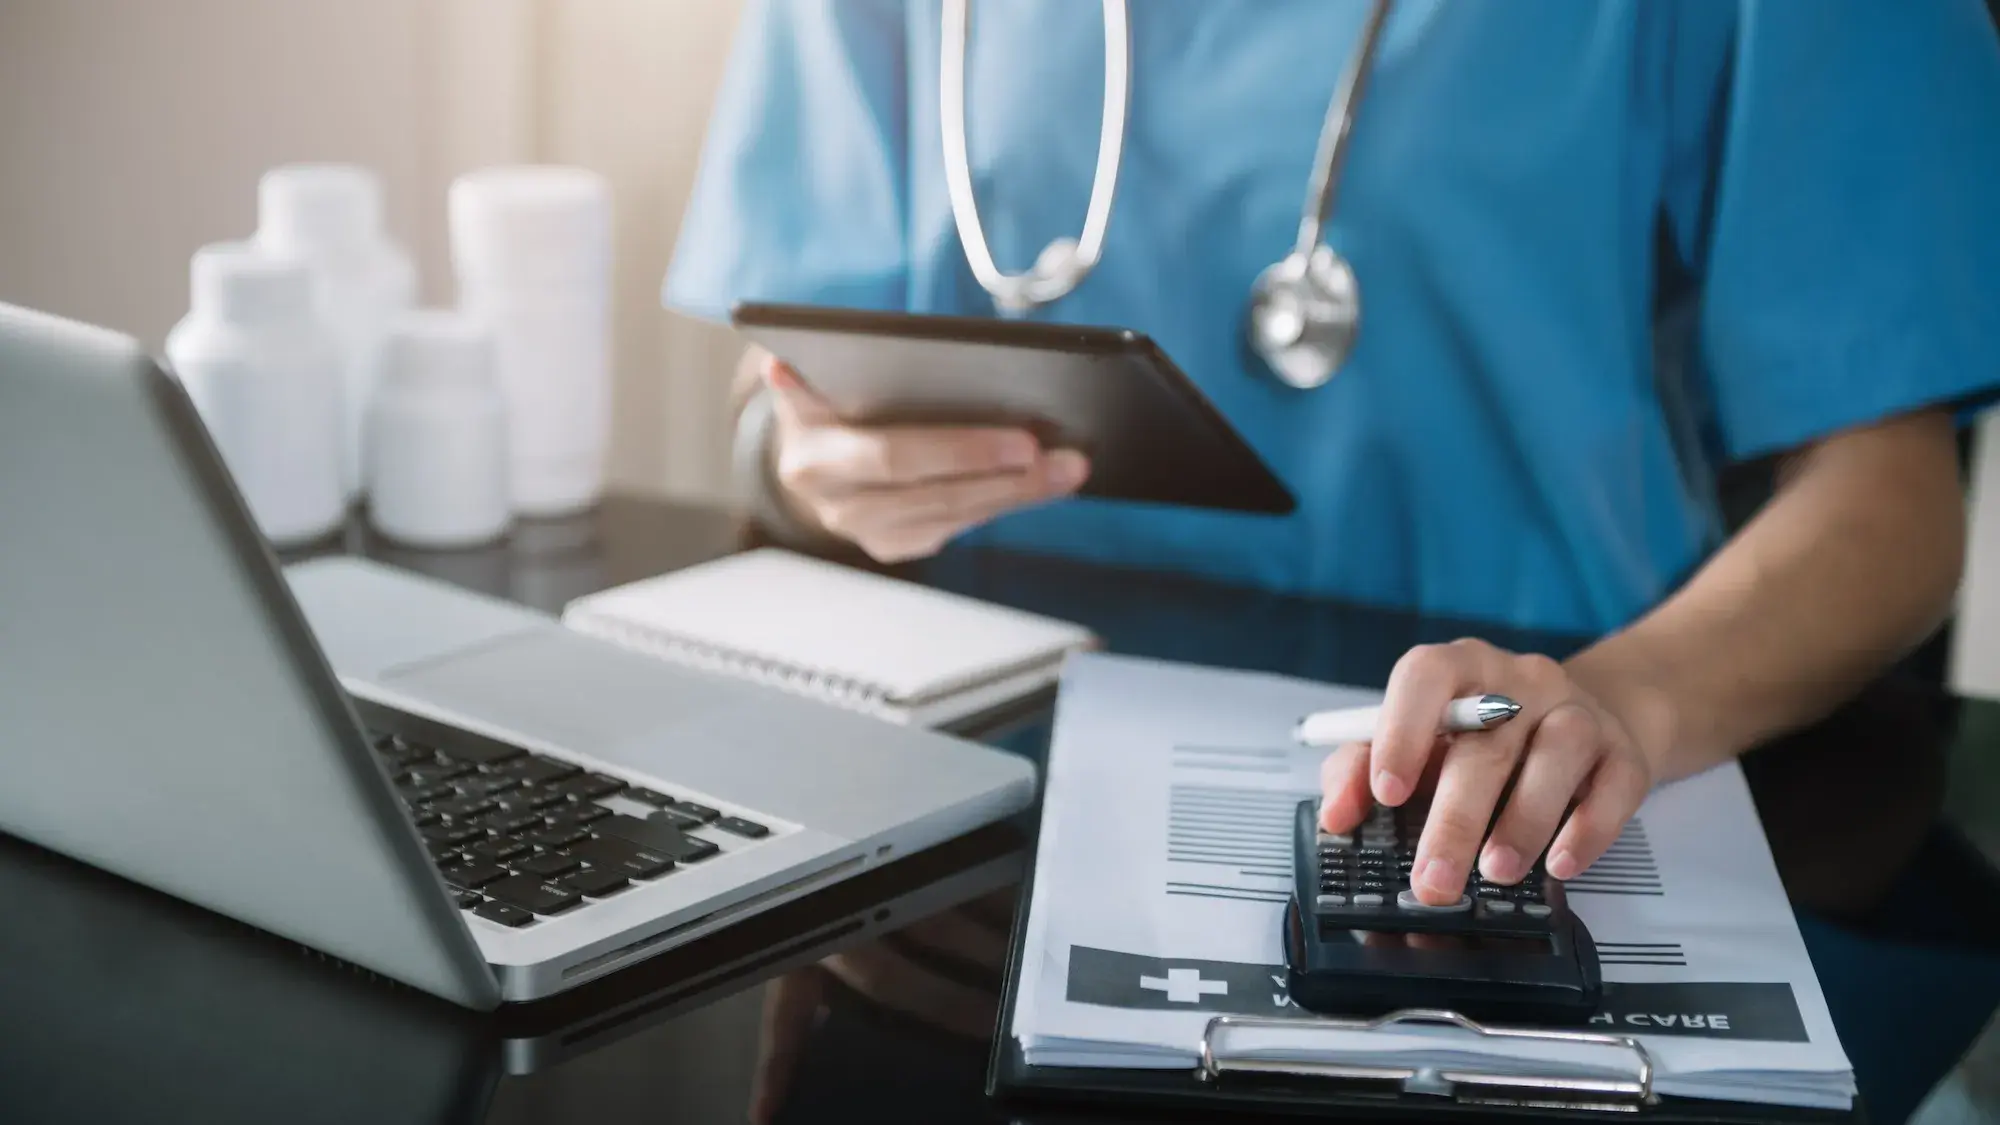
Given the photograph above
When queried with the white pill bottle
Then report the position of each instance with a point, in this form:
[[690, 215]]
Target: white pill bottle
[[264, 370], [437, 436], [330, 217], [531, 247]]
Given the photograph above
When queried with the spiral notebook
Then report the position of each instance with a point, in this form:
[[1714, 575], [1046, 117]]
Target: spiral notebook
[[880, 645]]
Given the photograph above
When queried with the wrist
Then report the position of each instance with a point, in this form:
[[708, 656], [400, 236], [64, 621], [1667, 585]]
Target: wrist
[[1633, 687], [756, 477]]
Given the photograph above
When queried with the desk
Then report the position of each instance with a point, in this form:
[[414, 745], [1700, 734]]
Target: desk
[[118, 1004]]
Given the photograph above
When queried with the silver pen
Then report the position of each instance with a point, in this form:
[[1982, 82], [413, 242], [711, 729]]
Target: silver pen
[[1357, 724]]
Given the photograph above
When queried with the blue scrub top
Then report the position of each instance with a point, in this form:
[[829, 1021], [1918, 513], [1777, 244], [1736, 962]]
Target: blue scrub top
[[1513, 439]]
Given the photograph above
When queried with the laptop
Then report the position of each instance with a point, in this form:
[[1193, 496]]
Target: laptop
[[448, 790]]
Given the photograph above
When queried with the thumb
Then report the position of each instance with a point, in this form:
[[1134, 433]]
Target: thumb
[[795, 402]]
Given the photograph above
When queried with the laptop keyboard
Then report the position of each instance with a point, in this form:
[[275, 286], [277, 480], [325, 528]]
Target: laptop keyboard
[[520, 836]]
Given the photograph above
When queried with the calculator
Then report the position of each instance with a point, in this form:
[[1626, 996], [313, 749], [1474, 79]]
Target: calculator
[[1358, 942]]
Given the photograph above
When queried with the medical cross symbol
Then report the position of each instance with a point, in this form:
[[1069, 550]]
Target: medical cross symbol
[[1185, 986]]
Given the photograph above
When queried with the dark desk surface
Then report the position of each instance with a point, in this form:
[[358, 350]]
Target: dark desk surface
[[117, 1004]]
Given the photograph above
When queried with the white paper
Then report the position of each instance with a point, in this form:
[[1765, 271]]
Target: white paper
[[1164, 867]]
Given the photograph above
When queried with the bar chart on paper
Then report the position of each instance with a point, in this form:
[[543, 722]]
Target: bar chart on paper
[[1234, 841]]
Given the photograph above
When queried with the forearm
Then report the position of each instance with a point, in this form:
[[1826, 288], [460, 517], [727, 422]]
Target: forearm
[[1851, 564]]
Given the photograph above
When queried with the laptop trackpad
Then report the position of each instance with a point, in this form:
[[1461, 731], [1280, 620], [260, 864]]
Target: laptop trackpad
[[561, 688]]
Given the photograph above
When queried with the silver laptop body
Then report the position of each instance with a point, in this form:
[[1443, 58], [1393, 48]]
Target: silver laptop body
[[172, 709]]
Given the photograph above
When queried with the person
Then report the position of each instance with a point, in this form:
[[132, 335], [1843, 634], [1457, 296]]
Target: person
[[1605, 251]]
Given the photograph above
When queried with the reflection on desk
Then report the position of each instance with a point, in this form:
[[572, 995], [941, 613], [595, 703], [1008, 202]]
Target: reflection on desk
[[120, 1004], [116, 1004]]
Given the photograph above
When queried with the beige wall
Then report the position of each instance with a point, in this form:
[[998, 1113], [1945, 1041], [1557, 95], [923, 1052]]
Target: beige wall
[[628, 87], [133, 131]]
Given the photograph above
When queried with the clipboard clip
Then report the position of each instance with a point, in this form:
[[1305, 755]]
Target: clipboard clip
[[1469, 1085]]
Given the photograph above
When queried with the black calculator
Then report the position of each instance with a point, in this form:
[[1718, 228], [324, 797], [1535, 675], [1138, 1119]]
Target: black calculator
[[1358, 942]]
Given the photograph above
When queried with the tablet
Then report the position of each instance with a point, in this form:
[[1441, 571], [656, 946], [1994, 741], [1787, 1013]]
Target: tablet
[[1112, 394]]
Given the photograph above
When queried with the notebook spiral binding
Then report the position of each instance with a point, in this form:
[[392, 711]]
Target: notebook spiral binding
[[1471, 1086], [827, 687]]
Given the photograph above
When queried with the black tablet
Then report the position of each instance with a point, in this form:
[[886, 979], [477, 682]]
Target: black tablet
[[1112, 394]]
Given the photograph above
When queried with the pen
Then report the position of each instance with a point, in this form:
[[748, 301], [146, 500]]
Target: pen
[[1357, 724]]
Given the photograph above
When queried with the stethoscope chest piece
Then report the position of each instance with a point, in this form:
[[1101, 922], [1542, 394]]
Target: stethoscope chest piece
[[1305, 312], [1305, 309]]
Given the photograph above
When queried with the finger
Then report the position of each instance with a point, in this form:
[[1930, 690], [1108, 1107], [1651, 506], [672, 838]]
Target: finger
[[1423, 682], [1344, 800], [1428, 783], [880, 524], [792, 1004], [1613, 793], [957, 935], [902, 455], [896, 524], [1052, 485], [895, 982], [1476, 768], [794, 402], [977, 499], [1562, 750]]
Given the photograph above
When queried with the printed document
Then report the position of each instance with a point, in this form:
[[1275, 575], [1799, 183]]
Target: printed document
[[1165, 865]]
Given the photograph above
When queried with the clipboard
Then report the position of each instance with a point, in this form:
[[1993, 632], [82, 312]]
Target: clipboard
[[1332, 1088]]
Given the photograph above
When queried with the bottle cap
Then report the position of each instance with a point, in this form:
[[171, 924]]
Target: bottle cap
[[247, 285], [313, 209], [531, 223], [435, 349]]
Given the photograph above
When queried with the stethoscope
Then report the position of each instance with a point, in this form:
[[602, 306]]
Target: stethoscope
[[1305, 309]]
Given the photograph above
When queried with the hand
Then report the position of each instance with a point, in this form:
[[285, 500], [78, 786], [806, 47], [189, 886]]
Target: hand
[[902, 492], [974, 937], [1580, 769]]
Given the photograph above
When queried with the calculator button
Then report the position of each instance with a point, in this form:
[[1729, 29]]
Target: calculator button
[[1330, 902], [1335, 840], [1367, 900], [1537, 910], [1499, 906], [1408, 900]]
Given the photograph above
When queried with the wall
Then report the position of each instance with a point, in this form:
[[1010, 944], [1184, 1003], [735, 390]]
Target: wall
[[628, 85], [133, 131]]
